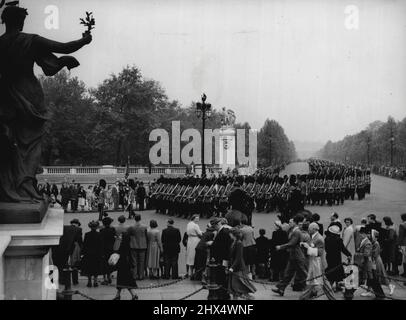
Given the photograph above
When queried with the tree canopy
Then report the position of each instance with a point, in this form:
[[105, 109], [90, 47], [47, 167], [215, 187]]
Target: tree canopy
[[371, 145], [274, 146], [111, 123]]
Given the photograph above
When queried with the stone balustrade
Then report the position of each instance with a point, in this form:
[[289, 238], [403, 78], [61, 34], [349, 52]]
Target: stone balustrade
[[111, 170]]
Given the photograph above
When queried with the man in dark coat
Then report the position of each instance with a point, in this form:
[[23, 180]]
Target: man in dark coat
[[138, 245], [171, 245], [263, 246], [141, 194], [279, 259], [75, 256], [61, 253], [220, 251], [74, 198], [92, 254], [236, 215], [65, 196], [297, 262]]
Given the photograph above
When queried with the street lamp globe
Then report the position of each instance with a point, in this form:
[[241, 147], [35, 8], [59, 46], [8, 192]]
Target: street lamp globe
[[208, 110], [199, 108]]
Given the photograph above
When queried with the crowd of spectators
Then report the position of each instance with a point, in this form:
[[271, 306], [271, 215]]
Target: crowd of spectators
[[123, 195], [391, 172]]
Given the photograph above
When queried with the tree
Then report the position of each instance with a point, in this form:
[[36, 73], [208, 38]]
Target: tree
[[111, 123], [70, 112], [129, 107], [373, 143], [274, 146]]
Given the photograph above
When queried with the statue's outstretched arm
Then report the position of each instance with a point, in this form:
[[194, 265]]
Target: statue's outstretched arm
[[44, 44]]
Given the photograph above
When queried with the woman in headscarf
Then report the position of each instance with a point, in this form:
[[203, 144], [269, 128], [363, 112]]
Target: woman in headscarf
[[22, 106]]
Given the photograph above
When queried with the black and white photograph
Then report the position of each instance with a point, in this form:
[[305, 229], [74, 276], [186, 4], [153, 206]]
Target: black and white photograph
[[201, 151]]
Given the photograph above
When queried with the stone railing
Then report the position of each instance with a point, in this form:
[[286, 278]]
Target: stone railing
[[111, 170]]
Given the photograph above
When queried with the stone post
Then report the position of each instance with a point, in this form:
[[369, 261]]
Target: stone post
[[25, 258]]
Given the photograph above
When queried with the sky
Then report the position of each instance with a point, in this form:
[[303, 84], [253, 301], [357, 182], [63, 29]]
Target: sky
[[293, 61]]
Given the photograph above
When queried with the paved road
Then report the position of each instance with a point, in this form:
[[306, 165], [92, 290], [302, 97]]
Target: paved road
[[388, 198], [296, 168]]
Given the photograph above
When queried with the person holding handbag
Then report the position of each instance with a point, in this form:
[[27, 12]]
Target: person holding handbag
[[108, 238], [316, 253], [125, 279], [239, 284]]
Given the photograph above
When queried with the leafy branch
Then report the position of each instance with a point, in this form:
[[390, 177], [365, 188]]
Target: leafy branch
[[89, 21]]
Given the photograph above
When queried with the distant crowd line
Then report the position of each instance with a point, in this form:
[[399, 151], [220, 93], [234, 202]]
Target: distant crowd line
[[391, 172]]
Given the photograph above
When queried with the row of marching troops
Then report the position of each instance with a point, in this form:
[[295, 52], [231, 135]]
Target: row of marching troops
[[333, 183], [327, 183], [263, 191]]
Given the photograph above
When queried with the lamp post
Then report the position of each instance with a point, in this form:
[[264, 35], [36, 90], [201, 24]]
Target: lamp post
[[392, 142], [203, 110], [368, 149], [270, 150]]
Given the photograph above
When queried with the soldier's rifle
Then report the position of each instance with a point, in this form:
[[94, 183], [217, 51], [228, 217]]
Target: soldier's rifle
[[210, 191], [193, 199], [179, 195], [259, 191], [168, 195], [159, 189], [186, 197], [158, 194]]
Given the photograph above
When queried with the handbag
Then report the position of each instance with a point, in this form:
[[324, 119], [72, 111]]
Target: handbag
[[184, 240], [358, 259], [114, 259], [117, 243], [74, 258]]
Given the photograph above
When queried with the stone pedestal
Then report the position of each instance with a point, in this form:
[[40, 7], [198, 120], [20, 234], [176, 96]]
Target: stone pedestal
[[25, 258], [227, 148]]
